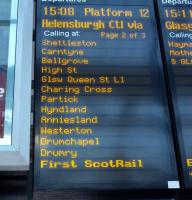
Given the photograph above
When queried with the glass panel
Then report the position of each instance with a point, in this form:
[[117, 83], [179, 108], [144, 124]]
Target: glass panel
[[8, 22], [5, 12]]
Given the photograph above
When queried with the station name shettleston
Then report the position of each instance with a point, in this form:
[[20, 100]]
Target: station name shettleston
[[176, 2]]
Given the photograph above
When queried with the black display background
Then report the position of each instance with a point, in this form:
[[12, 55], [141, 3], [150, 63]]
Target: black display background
[[180, 77], [49, 179]]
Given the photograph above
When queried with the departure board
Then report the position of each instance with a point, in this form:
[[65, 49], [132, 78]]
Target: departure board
[[176, 21], [101, 113]]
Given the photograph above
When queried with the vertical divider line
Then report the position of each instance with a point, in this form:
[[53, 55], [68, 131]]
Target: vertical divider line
[[170, 100], [32, 165]]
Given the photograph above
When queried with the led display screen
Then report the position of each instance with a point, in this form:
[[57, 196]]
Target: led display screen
[[176, 23], [101, 114]]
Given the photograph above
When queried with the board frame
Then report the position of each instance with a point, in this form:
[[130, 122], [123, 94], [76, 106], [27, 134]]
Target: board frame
[[16, 156]]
